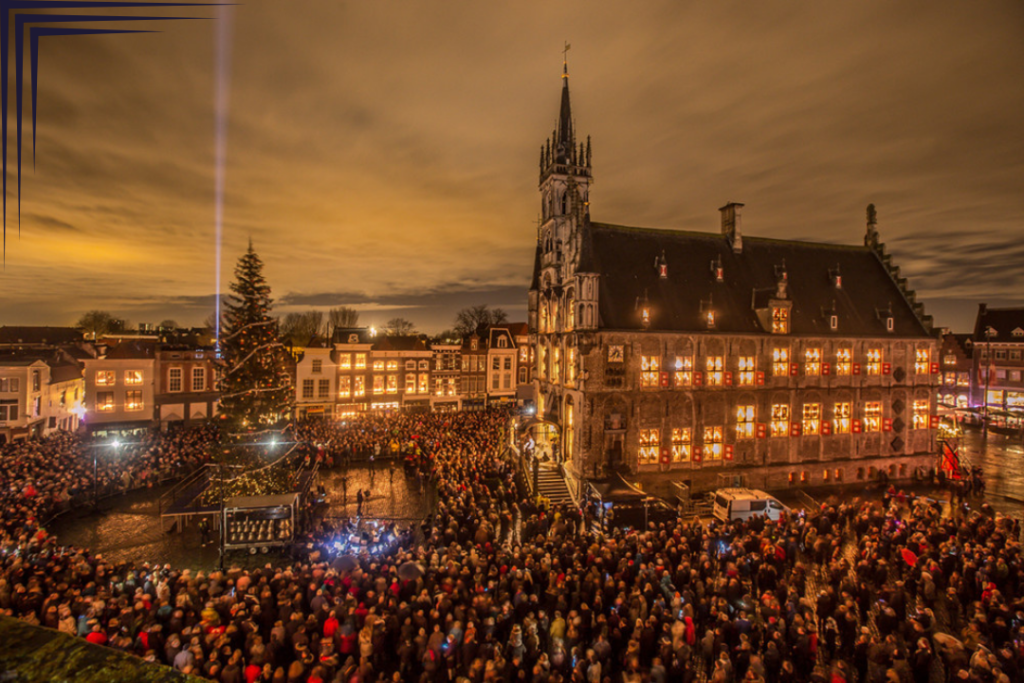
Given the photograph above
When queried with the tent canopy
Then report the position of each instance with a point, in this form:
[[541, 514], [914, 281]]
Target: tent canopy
[[615, 489]]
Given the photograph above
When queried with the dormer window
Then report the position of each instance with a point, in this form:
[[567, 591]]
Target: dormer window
[[661, 265], [707, 312], [717, 270], [710, 316], [1018, 332], [833, 322], [645, 316], [836, 277], [780, 320], [890, 324]]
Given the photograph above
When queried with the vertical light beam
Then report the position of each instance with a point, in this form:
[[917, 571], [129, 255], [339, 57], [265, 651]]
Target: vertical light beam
[[221, 105]]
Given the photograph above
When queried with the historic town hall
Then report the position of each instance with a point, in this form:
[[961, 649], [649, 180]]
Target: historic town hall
[[716, 358]]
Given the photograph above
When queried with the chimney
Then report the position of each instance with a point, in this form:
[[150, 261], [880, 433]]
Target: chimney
[[731, 227]]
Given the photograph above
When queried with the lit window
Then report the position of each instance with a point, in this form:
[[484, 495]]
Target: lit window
[[949, 359], [345, 361], [921, 413], [714, 366], [744, 422], [713, 443], [645, 316], [133, 400], [841, 414], [949, 379], [812, 419], [318, 366], [307, 388], [874, 361], [524, 354], [570, 365], [812, 362], [844, 363], [780, 419], [424, 382], [378, 384], [174, 379], [410, 383], [359, 386], [556, 364], [105, 401], [392, 365], [344, 387], [105, 378], [392, 384], [780, 320], [132, 377], [683, 375], [780, 362], [681, 445], [746, 368], [872, 416], [649, 369], [922, 361], [542, 358], [710, 317], [360, 361], [378, 365], [649, 444], [198, 379]]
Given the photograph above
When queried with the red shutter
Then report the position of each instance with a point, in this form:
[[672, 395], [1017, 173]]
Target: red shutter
[[794, 429], [825, 368], [698, 379], [856, 368], [697, 453], [935, 421], [886, 424], [935, 368], [728, 379], [857, 427], [728, 451], [664, 379], [826, 428], [759, 378], [886, 368], [794, 369], [762, 430]]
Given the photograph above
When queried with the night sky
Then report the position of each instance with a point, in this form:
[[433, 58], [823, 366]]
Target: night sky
[[384, 154]]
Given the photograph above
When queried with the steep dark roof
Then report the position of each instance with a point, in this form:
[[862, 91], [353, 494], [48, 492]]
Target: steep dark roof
[[392, 343], [63, 371], [132, 349], [1003, 320], [625, 259], [39, 335]]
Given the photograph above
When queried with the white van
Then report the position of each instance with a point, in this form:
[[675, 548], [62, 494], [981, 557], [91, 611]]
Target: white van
[[746, 503]]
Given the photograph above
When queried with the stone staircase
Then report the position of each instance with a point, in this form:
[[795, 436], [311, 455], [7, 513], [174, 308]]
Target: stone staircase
[[552, 486]]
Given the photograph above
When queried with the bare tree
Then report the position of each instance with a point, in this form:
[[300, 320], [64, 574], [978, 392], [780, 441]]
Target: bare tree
[[95, 323], [400, 327], [343, 316], [302, 328], [168, 324], [474, 318]]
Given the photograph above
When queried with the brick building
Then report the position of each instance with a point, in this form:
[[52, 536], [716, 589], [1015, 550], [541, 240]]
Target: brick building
[[718, 357], [998, 359]]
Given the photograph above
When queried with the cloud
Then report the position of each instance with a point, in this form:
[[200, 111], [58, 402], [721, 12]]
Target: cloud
[[385, 154]]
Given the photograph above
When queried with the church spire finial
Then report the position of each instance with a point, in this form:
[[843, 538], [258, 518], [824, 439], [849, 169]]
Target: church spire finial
[[565, 60]]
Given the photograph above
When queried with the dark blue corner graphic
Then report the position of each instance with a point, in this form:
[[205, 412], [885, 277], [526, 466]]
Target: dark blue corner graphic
[[9, 8]]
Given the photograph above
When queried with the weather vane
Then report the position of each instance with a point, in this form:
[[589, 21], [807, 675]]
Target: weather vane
[[565, 60]]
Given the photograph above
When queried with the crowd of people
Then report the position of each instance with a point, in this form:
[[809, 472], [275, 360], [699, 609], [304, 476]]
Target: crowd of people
[[504, 588]]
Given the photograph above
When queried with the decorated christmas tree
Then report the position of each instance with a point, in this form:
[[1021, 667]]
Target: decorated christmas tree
[[255, 386]]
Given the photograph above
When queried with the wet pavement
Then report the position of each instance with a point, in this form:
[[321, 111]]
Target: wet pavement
[[129, 528]]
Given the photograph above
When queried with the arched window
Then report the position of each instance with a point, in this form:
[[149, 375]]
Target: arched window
[[565, 203]]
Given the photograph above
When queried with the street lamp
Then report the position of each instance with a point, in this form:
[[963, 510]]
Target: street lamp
[[95, 472]]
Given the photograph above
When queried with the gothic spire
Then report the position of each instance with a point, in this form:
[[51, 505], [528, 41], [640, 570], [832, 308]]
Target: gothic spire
[[565, 132]]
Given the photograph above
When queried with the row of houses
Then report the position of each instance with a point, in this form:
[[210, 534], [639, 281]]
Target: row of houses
[[52, 378], [983, 371], [357, 371]]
